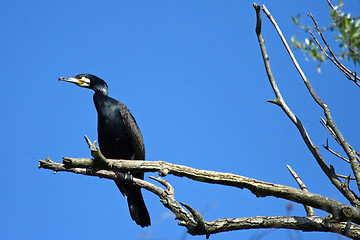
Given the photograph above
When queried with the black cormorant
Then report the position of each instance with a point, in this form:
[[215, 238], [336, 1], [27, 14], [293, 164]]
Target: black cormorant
[[119, 138]]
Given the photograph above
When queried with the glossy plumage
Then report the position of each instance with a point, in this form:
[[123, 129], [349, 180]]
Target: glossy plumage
[[119, 138]]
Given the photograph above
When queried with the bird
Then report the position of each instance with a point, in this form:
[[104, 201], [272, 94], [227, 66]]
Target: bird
[[119, 137]]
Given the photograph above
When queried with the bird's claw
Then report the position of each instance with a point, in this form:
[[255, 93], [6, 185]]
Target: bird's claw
[[125, 177]]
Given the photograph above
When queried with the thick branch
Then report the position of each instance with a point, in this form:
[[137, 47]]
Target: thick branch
[[166, 196], [193, 220], [280, 102], [298, 223], [257, 187]]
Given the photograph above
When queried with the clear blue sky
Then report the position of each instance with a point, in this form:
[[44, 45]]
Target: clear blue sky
[[191, 73]]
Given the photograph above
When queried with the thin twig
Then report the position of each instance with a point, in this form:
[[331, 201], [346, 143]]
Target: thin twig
[[309, 210], [334, 153], [333, 8], [346, 177], [349, 74], [323, 123]]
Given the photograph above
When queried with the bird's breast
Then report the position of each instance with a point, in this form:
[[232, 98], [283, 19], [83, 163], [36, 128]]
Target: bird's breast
[[113, 139]]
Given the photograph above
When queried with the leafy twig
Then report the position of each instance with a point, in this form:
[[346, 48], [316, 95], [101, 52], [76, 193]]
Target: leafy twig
[[348, 74]]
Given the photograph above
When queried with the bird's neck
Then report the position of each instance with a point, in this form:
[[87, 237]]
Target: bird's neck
[[100, 100], [102, 91]]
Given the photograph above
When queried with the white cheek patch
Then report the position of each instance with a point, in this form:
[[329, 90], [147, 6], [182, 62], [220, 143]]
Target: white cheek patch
[[85, 82]]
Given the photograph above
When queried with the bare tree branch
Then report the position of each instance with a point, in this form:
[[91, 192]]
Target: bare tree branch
[[166, 196], [259, 188], [334, 153], [353, 199], [298, 223], [323, 123], [309, 210], [330, 122], [193, 220]]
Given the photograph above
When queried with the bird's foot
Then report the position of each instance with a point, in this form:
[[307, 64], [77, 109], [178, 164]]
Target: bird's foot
[[124, 177]]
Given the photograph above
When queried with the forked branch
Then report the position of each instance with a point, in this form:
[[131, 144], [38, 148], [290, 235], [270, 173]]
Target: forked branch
[[343, 188], [259, 188], [193, 220]]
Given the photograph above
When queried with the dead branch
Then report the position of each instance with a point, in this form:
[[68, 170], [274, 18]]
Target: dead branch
[[353, 199], [297, 223], [309, 210], [257, 187], [193, 220], [333, 152]]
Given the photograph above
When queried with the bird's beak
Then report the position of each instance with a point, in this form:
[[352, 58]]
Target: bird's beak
[[82, 82], [73, 80]]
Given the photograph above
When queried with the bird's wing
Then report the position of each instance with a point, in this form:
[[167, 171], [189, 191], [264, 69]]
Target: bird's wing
[[134, 132]]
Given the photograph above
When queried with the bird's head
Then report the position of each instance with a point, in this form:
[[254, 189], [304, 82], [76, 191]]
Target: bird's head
[[88, 81]]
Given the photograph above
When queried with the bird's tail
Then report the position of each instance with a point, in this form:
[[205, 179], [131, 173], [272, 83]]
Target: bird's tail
[[137, 207]]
